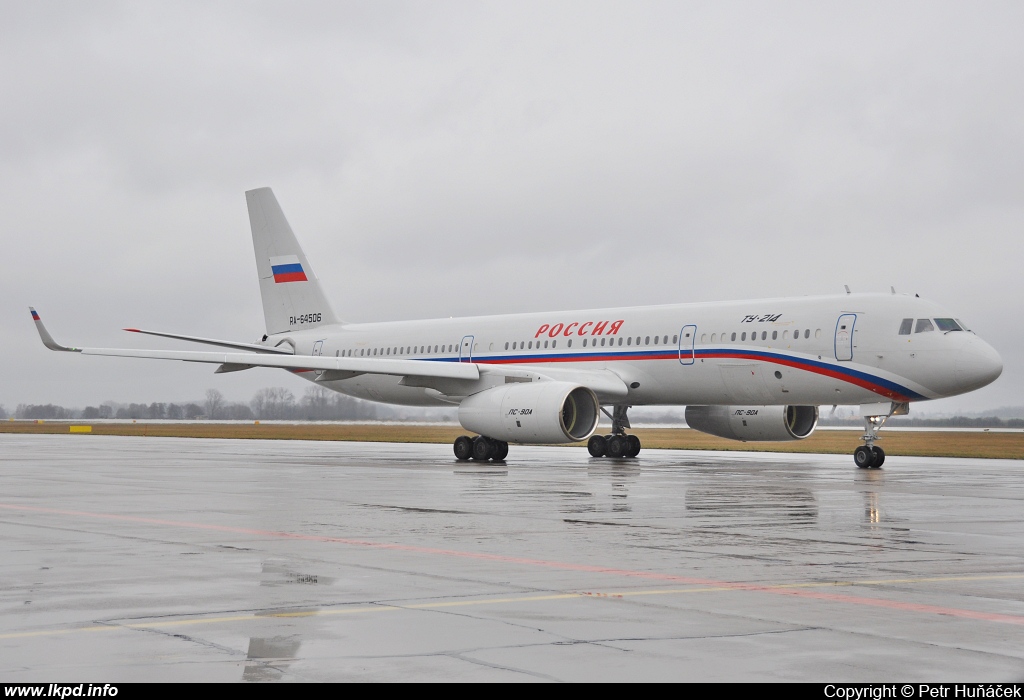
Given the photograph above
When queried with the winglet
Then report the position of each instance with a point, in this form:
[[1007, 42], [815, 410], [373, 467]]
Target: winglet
[[44, 334]]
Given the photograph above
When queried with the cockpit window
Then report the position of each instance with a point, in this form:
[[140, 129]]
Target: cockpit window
[[924, 325], [947, 324], [907, 326], [963, 325]]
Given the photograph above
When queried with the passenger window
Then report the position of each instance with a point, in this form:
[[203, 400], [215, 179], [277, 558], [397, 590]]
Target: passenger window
[[545, 343], [744, 336], [506, 346], [647, 340], [655, 340], [665, 341], [602, 342], [570, 343], [924, 325], [764, 335], [714, 337], [734, 336], [775, 335], [817, 332], [675, 339], [620, 342], [947, 324], [554, 343], [629, 341], [906, 326], [584, 342]]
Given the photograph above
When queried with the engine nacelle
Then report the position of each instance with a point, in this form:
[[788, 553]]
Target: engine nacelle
[[541, 412], [754, 423]]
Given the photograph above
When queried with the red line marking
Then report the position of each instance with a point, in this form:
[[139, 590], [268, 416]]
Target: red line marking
[[543, 563]]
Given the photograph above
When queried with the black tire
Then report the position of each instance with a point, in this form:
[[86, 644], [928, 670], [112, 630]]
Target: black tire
[[500, 451], [879, 457], [616, 446], [482, 449], [632, 446], [596, 446], [863, 457], [463, 448]]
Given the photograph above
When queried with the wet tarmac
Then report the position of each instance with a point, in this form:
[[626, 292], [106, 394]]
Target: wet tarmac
[[155, 559]]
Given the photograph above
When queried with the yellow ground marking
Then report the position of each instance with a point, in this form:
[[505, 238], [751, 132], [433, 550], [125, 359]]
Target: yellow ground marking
[[249, 617]]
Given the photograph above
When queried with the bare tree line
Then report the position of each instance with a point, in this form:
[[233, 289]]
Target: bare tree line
[[273, 403]]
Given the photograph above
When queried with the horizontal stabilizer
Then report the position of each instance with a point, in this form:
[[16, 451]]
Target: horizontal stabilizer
[[255, 347]]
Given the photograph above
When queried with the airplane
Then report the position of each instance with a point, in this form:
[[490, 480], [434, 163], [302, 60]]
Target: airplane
[[745, 370]]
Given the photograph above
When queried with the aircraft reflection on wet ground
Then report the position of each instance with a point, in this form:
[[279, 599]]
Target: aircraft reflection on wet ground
[[163, 559]]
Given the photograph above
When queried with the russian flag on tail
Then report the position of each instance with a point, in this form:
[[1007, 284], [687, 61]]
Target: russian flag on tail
[[287, 268]]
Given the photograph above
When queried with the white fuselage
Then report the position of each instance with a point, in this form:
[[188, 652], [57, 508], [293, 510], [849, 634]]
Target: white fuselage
[[843, 349]]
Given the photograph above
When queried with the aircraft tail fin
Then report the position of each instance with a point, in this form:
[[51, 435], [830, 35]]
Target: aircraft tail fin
[[292, 296]]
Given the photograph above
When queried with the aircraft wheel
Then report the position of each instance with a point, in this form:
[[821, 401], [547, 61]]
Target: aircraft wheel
[[616, 446], [632, 445], [463, 448], [879, 457], [500, 451], [482, 449], [863, 457], [596, 446]]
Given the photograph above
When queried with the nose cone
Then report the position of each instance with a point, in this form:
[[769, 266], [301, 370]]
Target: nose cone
[[977, 365]]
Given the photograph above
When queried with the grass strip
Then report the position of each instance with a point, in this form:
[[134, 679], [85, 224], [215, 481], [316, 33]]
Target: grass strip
[[993, 445]]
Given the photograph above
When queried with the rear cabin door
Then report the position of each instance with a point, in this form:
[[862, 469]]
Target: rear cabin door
[[844, 337], [687, 337], [318, 349]]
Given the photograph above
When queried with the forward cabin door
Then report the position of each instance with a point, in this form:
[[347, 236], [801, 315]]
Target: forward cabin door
[[466, 349], [844, 337], [687, 337]]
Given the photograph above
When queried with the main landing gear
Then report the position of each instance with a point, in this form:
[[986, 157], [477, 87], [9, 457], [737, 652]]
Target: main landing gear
[[480, 449], [618, 444]]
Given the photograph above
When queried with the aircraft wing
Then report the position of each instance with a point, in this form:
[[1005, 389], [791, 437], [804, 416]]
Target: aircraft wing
[[348, 366]]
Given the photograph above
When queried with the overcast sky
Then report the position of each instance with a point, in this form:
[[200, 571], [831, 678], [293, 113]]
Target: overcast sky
[[440, 159]]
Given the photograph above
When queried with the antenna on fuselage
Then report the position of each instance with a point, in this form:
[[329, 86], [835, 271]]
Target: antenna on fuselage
[[893, 289], [847, 288]]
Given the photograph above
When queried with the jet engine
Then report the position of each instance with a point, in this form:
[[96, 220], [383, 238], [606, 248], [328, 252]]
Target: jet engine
[[754, 423], [541, 412]]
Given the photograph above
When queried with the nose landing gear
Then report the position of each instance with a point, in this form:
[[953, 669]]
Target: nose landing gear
[[618, 444], [866, 457], [869, 455]]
